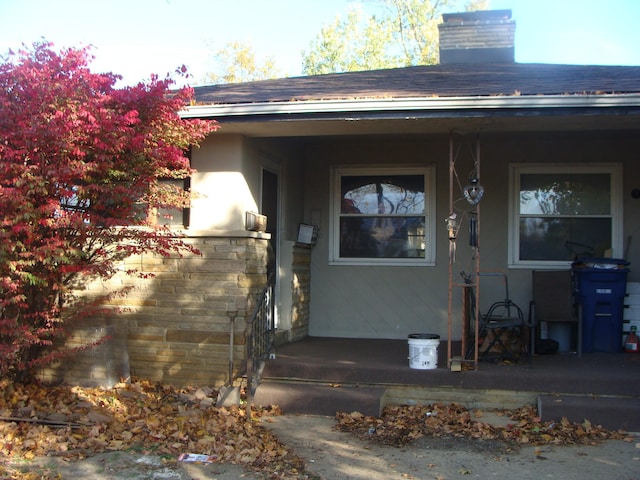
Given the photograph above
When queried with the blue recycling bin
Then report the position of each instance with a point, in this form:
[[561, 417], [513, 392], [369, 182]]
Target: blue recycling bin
[[600, 287]]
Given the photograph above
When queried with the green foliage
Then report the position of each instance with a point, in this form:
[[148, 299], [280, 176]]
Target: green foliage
[[236, 62], [79, 158], [404, 34], [351, 44]]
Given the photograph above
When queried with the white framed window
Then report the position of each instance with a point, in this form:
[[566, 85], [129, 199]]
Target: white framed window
[[382, 216], [559, 210]]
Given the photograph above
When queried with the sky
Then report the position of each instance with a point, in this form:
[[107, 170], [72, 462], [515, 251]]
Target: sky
[[137, 38]]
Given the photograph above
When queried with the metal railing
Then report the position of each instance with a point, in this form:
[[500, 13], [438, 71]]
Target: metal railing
[[260, 337]]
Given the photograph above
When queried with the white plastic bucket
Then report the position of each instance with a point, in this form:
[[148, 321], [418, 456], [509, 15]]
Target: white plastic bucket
[[423, 351]]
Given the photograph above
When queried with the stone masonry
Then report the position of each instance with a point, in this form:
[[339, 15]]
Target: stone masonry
[[301, 292], [175, 327]]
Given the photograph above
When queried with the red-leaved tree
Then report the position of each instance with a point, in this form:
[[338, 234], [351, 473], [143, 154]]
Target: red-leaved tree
[[82, 163]]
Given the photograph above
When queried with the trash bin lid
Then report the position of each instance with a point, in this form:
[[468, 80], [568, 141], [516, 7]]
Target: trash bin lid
[[600, 263], [424, 336]]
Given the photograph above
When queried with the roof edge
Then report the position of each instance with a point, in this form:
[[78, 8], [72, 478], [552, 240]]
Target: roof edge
[[412, 104]]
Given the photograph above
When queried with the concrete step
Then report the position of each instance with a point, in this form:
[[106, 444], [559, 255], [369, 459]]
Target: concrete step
[[319, 399], [613, 413], [314, 398], [471, 398]]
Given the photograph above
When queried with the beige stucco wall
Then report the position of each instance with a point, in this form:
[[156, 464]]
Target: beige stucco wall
[[225, 184], [392, 302]]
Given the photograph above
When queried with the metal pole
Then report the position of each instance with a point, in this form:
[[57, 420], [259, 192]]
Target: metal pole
[[477, 263], [450, 298], [232, 314]]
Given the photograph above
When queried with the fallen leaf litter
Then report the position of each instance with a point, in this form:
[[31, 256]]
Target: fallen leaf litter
[[74, 423], [151, 418], [400, 425]]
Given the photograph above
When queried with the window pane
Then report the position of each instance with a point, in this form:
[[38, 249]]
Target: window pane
[[382, 237], [385, 195], [545, 238], [171, 216], [565, 194]]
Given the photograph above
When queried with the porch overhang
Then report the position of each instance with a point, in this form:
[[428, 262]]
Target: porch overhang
[[433, 115]]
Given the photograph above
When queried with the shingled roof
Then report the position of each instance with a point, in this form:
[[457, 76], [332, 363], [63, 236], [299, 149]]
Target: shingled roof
[[453, 80]]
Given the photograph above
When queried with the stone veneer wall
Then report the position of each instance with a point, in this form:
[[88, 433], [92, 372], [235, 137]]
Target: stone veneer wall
[[175, 327], [301, 292]]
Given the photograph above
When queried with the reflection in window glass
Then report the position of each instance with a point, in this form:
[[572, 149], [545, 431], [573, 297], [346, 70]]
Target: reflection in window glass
[[173, 216], [399, 194], [545, 238], [565, 194], [561, 206], [382, 216]]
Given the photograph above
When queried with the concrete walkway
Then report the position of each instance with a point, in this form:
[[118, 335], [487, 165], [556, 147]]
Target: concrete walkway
[[333, 455]]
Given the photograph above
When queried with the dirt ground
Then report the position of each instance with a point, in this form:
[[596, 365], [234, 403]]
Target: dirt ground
[[334, 455]]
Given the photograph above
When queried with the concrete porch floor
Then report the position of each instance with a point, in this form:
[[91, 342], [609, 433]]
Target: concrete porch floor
[[325, 375]]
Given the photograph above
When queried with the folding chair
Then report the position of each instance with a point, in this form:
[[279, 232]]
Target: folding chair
[[504, 331]]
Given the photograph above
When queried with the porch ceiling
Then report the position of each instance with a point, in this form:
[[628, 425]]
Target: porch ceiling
[[412, 124]]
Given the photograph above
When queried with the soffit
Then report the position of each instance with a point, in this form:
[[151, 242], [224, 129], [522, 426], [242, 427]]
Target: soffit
[[414, 125]]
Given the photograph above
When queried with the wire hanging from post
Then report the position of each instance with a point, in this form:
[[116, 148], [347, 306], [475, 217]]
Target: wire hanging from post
[[473, 193], [473, 229]]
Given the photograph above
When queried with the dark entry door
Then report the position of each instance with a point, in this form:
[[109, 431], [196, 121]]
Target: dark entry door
[[270, 204]]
